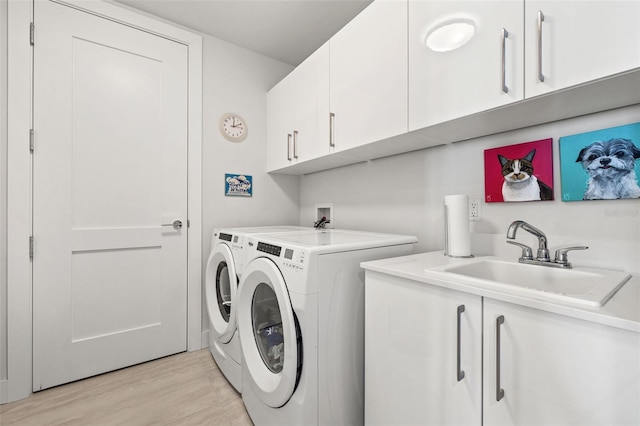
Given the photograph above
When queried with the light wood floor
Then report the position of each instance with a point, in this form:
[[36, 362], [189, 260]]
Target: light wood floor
[[184, 389]]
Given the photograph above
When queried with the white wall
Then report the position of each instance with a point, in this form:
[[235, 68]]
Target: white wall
[[237, 80], [404, 194]]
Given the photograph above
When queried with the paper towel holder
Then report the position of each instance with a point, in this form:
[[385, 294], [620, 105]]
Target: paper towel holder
[[446, 236]]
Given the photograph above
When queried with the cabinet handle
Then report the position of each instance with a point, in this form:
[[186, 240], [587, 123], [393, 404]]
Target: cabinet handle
[[540, 21], [295, 144], [460, 373], [499, 390], [289, 146], [505, 35], [332, 118]]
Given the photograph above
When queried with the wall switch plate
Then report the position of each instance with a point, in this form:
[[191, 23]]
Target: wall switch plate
[[474, 209]]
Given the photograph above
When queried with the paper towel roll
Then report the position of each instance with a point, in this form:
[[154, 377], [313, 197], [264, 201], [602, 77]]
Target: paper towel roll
[[457, 235]]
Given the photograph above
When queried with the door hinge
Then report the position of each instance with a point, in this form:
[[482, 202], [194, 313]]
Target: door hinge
[[32, 33], [31, 140], [188, 223], [31, 247]]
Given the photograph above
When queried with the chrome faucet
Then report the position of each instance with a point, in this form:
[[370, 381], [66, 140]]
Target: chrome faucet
[[542, 256], [543, 251]]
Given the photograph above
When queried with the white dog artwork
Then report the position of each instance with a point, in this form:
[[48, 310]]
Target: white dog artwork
[[601, 164], [610, 165]]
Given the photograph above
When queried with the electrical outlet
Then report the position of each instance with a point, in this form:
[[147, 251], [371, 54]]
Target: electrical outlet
[[474, 209]]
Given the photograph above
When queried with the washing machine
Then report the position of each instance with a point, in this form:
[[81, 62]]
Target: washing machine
[[224, 268], [300, 313]]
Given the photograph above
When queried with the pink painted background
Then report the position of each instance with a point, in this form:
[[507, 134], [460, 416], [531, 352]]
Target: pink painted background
[[542, 165]]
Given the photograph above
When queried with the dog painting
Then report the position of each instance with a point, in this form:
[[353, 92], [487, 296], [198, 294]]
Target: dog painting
[[601, 165]]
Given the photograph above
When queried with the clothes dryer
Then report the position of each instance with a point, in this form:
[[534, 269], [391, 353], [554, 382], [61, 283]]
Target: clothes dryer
[[301, 324], [223, 270]]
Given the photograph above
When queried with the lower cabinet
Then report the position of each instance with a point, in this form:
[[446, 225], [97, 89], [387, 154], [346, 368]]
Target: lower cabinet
[[412, 351], [520, 366], [557, 370]]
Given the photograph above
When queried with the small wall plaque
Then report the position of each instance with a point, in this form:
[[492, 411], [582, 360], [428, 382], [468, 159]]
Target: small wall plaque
[[238, 185]]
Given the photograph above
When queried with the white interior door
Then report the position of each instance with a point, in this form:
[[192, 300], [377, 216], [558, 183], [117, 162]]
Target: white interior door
[[109, 168]]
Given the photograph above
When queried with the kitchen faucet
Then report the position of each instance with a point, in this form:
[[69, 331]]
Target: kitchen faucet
[[542, 256]]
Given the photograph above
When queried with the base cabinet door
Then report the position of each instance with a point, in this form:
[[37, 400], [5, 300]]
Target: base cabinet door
[[573, 42], [550, 369], [422, 354]]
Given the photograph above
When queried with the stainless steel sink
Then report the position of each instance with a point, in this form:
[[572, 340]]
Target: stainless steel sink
[[586, 286]]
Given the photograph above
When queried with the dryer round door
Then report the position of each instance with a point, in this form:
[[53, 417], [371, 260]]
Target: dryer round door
[[221, 283], [269, 333]]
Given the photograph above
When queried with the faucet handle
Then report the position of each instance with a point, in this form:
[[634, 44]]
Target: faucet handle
[[527, 253], [561, 254]]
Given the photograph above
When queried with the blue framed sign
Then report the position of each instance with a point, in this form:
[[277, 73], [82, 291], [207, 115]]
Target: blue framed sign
[[238, 185]]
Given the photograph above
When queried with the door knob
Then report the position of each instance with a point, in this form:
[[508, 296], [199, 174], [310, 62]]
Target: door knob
[[177, 224]]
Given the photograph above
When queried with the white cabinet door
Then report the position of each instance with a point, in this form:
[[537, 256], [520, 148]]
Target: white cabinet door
[[298, 113], [580, 41], [311, 106], [280, 124], [444, 85], [558, 370], [411, 348], [369, 75]]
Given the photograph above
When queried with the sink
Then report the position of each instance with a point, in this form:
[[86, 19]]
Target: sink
[[585, 286]]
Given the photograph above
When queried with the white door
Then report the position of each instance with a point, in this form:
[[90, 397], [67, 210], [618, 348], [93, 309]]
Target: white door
[[573, 42], [485, 73], [368, 76], [109, 168]]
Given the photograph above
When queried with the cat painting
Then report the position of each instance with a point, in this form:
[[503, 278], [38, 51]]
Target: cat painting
[[520, 184]]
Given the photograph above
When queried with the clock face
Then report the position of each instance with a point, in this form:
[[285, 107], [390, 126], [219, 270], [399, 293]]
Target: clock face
[[233, 127]]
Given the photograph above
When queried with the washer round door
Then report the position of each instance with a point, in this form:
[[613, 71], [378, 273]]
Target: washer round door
[[269, 333], [221, 283]]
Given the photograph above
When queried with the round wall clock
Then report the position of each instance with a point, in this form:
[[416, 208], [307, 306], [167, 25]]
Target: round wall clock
[[233, 127]]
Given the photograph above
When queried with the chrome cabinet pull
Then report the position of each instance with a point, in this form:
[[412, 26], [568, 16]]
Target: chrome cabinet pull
[[540, 21], [499, 390], [295, 144], [289, 146], [332, 118], [460, 373], [505, 35], [176, 224]]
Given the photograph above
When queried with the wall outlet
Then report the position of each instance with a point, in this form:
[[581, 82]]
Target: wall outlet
[[474, 209]]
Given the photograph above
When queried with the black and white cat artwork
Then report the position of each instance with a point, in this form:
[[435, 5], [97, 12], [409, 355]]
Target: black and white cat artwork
[[520, 184]]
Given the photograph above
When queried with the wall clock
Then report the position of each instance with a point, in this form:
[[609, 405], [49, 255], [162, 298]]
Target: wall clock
[[233, 127]]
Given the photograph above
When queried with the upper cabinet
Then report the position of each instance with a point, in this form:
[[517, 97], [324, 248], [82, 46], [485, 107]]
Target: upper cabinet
[[450, 78], [297, 110], [572, 42], [368, 63], [379, 88]]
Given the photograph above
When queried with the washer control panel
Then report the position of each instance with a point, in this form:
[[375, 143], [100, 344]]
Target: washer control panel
[[293, 259]]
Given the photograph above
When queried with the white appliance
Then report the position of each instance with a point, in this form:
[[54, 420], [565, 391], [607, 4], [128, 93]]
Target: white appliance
[[300, 313], [224, 268]]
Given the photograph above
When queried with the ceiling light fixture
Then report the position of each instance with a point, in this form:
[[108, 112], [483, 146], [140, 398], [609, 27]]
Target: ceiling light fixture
[[450, 35]]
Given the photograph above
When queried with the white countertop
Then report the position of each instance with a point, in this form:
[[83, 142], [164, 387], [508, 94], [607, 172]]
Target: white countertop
[[621, 311]]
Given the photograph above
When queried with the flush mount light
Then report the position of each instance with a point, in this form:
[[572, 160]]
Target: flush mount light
[[450, 35]]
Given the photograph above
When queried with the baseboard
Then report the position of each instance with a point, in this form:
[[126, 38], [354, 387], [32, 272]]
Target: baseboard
[[4, 392], [205, 339]]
